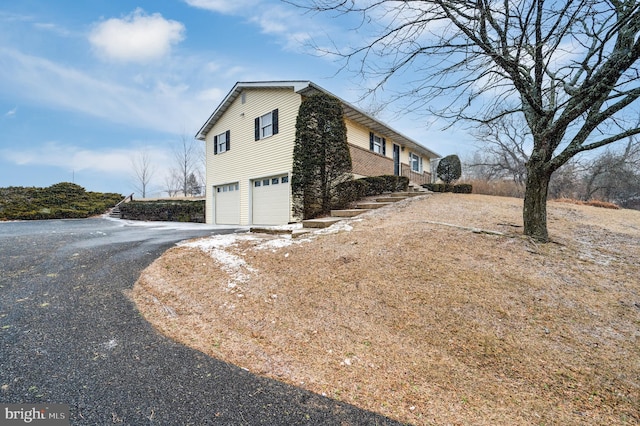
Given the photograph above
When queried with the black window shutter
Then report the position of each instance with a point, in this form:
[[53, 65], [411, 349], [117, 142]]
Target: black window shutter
[[274, 121], [228, 140], [371, 141], [215, 145], [257, 128], [384, 146]]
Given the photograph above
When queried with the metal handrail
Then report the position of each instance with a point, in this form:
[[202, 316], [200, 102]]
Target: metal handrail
[[125, 200]]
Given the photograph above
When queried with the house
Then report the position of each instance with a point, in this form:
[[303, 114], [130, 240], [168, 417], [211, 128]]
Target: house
[[249, 151]]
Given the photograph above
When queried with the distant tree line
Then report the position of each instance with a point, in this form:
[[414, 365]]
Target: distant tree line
[[612, 175], [183, 176]]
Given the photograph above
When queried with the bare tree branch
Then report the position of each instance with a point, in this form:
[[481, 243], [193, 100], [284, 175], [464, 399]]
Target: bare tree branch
[[569, 69]]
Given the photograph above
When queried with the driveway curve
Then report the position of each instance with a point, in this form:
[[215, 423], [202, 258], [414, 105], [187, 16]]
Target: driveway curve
[[69, 335]]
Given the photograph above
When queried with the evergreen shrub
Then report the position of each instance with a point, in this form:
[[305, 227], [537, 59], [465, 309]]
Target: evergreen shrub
[[349, 192], [377, 185], [166, 211], [63, 200], [463, 188]]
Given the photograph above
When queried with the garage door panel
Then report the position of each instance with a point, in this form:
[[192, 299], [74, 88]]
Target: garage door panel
[[270, 201], [227, 204]]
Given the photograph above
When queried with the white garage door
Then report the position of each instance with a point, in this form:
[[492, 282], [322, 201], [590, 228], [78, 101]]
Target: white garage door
[[270, 201], [227, 204]]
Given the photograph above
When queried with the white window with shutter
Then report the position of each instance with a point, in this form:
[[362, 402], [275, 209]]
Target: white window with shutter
[[416, 162]]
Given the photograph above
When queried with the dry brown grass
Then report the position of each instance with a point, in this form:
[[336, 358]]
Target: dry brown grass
[[593, 203], [502, 188], [417, 315]]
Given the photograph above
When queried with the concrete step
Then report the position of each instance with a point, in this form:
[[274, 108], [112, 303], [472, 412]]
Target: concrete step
[[371, 205], [267, 230], [299, 233], [115, 213], [415, 193], [414, 187], [322, 222], [390, 199], [347, 212]]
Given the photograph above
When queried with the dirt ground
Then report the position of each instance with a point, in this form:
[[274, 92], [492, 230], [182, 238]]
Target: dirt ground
[[435, 310]]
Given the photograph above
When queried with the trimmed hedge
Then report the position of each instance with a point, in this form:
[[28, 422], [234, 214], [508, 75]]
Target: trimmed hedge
[[461, 188], [354, 190], [167, 211], [60, 201]]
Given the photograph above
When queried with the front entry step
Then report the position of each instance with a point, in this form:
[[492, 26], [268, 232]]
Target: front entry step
[[323, 222], [390, 199], [347, 212], [371, 205]]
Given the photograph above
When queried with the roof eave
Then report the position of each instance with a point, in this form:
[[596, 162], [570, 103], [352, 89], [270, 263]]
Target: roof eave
[[355, 114], [305, 87], [296, 85]]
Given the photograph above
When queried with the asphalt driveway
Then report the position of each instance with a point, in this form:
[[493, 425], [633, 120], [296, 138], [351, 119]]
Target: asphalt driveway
[[69, 335]]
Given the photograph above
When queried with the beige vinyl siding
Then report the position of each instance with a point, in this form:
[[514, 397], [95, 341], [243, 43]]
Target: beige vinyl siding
[[358, 135], [248, 158]]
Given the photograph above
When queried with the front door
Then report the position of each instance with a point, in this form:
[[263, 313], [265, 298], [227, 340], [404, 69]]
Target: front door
[[396, 159]]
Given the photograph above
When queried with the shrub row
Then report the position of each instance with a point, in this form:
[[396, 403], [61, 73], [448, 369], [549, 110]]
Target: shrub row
[[354, 190], [60, 201], [172, 211], [461, 188]]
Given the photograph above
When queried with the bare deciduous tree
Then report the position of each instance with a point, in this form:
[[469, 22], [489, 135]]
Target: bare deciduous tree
[[504, 154], [171, 184], [614, 176], [569, 68], [188, 159], [143, 171]]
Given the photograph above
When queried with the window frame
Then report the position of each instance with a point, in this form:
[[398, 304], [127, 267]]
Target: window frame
[[377, 144], [415, 159], [266, 125], [217, 144], [261, 125]]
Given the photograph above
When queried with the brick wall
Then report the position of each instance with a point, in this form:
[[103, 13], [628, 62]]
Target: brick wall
[[367, 163]]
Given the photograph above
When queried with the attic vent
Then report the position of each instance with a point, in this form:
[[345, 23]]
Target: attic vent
[[243, 97]]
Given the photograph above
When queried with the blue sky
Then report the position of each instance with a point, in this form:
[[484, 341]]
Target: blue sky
[[85, 86]]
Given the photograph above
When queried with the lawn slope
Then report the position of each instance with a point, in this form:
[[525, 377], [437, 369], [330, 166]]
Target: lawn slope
[[434, 310]]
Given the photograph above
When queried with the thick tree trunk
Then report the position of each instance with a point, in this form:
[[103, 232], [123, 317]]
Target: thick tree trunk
[[535, 202]]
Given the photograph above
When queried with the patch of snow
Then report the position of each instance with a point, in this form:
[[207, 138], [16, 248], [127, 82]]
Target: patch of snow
[[218, 241], [335, 228], [230, 263], [171, 225], [276, 243], [216, 245]]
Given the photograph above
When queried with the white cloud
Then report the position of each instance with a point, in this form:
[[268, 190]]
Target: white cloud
[[211, 95], [137, 37], [223, 6], [286, 23], [11, 113], [296, 29], [70, 157], [160, 106], [56, 29]]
